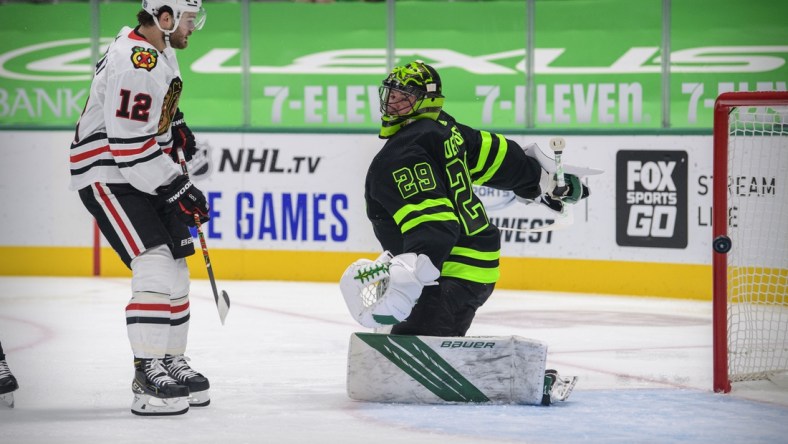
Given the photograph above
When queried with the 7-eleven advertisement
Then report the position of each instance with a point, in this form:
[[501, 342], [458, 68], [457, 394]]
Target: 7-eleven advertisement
[[317, 67]]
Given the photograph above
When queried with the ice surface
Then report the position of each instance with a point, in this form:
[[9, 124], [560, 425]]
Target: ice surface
[[277, 371]]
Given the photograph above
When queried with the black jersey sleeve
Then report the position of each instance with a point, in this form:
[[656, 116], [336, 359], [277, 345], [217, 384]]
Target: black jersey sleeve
[[500, 163]]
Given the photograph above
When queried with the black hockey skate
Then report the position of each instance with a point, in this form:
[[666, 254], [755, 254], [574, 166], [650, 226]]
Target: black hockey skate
[[155, 392], [179, 369], [8, 385], [556, 388]]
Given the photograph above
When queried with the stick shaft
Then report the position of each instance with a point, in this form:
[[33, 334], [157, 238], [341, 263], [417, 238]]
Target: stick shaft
[[559, 169], [557, 144], [204, 246]]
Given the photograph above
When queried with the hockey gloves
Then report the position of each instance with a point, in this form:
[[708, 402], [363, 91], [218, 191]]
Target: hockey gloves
[[183, 138], [185, 200], [572, 192], [384, 291]]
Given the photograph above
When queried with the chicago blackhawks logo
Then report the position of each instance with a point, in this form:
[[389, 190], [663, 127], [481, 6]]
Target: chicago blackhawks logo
[[144, 57]]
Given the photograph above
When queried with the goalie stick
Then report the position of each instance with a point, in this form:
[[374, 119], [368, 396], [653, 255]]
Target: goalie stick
[[223, 302], [566, 217]]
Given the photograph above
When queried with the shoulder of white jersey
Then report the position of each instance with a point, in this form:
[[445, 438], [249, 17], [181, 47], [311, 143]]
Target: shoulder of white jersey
[[132, 52]]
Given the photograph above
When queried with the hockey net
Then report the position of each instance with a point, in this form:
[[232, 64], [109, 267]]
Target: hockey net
[[751, 212]]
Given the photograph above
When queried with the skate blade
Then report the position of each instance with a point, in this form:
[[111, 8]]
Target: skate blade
[[563, 388], [146, 405], [7, 400], [199, 399]]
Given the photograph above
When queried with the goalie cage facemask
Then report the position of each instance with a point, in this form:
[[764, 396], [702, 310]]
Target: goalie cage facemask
[[418, 81]]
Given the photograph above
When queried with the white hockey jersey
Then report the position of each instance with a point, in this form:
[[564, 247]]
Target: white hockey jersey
[[126, 122]]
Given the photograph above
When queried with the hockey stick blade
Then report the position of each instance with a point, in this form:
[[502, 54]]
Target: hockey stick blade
[[223, 305]]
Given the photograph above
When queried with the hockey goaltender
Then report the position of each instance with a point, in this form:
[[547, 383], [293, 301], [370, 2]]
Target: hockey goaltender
[[441, 257]]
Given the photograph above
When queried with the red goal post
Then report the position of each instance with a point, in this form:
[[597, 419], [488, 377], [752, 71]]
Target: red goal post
[[750, 237]]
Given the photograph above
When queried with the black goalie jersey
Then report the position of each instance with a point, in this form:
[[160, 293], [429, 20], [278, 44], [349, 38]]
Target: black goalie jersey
[[125, 127], [420, 198]]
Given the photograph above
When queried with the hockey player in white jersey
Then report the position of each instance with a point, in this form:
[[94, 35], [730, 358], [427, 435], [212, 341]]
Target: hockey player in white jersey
[[122, 163]]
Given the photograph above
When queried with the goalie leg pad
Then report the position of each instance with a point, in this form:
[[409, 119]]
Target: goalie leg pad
[[445, 370]]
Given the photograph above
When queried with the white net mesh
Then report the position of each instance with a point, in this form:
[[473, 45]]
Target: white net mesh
[[372, 292], [376, 277], [758, 228]]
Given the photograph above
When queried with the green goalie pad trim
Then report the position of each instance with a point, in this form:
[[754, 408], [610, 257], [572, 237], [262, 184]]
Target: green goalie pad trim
[[423, 364], [385, 320]]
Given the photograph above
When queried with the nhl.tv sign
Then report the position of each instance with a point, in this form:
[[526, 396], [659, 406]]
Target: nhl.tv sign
[[651, 199]]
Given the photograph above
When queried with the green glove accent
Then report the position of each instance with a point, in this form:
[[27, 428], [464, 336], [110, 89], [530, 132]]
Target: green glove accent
[[572, 192], [575, 191]]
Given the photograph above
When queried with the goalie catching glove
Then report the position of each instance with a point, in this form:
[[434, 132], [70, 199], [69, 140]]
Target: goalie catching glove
[[384, 291]]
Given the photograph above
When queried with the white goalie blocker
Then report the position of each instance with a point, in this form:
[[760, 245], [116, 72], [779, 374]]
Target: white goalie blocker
[[550, 166], [444, 370], [552, 169]]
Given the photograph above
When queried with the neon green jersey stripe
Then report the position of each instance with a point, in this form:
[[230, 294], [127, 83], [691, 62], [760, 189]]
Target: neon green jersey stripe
[[403, 212], [502, 146], [436, 217], [484, 151], [476, 254], [470, 273]]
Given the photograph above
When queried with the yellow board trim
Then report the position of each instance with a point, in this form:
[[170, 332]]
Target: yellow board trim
[[685, 281]]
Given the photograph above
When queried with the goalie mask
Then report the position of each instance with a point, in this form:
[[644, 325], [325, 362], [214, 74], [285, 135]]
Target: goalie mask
[[178, 7], [409, 92]]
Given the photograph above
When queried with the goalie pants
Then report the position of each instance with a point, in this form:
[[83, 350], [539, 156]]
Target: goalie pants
[[133, 221], [446, 309]]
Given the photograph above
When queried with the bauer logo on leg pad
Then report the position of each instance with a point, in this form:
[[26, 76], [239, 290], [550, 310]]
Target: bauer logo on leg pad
[[467, 344]]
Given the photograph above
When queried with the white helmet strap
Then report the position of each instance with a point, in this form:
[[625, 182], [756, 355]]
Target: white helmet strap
[[176, 18]]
